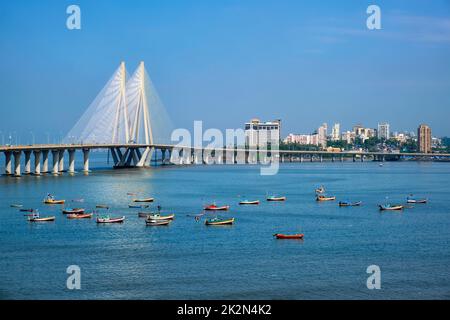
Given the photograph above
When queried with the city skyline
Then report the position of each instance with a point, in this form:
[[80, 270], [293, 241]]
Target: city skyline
[[284, 63]]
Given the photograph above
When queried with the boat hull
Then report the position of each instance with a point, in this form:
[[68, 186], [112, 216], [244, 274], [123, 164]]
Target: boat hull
[[391, 208], [325, 198], [161, 218], [289, 236], [219, 222], [144, 200], [43, 219], [74, 211], [215, 208], [54, 201], [154, 223], [417, 201], [110, 220], [243, 203], [350, 204], [79, 216], [276, 199]]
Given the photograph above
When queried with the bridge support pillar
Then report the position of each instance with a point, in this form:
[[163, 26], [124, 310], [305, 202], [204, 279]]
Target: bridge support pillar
[[71, 161], [342, 158], [321, 158], [362, 158], [301, 158], [17, 155], [45, 161], [86, 160], [27, 161], [312, 158], [55, 154], [37, 162], [354, 158], [8, 165], [61, 161], [332, 158]]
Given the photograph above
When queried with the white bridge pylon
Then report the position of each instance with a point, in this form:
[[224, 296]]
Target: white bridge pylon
[[122, 114]]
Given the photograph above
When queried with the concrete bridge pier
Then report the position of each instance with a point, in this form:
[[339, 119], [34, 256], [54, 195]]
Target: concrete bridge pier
[[17, 155], [37, 162], [61, 161], [71, 161], [354, 158], [312, 157], [55, 155], [301, 158], [8, 165], [362, 158], [321, 158], [342, 158], [27, 161], [86, 160], [45, 161]]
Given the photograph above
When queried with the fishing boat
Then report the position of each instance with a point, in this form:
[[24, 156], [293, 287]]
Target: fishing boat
[[16, 205], [108, 219], [138, 206], [349, 204], [276, 198], [51, 200], [390, 207], [73, 211], [157, 222], [249, 202], [288, 236], [37, 218], [160, 217], [417, 200], [410, 199], [26, 210], [79, 216], [213, 207], [144, 200], [102, 206], [325, 198], [219, 221]]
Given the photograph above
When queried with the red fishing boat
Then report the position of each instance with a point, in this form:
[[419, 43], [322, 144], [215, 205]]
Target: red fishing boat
[[289, 236], [213, 207]]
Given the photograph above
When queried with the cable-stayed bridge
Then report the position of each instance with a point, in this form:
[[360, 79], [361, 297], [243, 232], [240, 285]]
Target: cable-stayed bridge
[[128, 119]]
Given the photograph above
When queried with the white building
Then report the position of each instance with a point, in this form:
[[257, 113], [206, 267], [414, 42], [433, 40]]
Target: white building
[[348, 136], [322, 135], [383, 131], [303, 139], [261, 134], [336, 132]]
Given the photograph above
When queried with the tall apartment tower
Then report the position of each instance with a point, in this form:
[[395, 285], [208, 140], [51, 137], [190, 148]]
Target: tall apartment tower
[[424, 138], [336, 132], [383, 131]]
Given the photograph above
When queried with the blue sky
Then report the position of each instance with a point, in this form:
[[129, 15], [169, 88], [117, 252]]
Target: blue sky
[[225, 62]]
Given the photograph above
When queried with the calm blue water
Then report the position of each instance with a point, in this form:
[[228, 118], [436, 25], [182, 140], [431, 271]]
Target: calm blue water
[[188, 260]]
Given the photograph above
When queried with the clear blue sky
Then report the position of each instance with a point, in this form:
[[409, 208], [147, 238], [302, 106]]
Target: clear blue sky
[[225, 62]]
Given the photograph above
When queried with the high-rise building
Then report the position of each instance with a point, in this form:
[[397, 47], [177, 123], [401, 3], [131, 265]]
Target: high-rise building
[[424, 138], [383, 131], [336, 132], [322, 135], [261, 134]]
